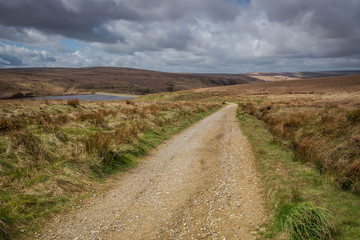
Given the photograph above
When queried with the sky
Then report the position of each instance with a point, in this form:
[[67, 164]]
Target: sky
[[218, 36]]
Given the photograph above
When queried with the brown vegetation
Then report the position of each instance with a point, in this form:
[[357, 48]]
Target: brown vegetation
[[286, 76], [30, 82], [321, 134], [50, 150]]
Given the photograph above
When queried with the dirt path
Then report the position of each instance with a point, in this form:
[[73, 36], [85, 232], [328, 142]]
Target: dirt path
[[201, 184]]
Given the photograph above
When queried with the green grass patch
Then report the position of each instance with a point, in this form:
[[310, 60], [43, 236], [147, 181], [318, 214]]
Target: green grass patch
[[305, 221], [296, 191], [75, 131]]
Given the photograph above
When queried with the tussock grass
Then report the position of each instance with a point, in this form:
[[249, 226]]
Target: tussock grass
[[52, 152], [101, 144], [305, 221]]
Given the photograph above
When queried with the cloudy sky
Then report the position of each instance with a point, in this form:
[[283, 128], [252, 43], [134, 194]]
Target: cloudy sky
[[231, 36]]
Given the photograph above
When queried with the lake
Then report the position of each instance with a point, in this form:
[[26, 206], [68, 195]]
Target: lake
[[89, 97]]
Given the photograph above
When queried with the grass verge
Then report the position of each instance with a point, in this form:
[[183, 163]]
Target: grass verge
[[290, 184]]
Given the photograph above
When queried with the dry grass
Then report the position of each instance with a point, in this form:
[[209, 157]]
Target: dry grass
[[52, 151], [320, 134]]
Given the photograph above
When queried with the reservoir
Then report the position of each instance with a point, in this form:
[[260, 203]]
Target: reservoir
[[88, 97]]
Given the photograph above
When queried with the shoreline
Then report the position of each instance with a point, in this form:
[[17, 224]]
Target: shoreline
[[118, 94], [79, 93]]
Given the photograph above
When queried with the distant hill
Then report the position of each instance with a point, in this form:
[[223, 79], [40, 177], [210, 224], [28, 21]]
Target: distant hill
[[281, 76], [27, 82], [323, 85]]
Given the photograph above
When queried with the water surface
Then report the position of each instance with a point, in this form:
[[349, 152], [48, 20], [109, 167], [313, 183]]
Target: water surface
[[89, 97]]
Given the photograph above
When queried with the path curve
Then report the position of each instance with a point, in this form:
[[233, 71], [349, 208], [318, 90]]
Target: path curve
[[200, 184]]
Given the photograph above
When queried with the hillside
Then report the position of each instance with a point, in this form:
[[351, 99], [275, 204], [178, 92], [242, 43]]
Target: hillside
[[284, 76], [59, 81], [28, 82], [335, 85]]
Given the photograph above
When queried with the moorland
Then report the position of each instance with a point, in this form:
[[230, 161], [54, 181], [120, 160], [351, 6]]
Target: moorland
[[305, 135], [30, 82], [39, 82]]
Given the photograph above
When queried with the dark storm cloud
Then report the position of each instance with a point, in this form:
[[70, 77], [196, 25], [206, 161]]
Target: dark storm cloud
[[332, 18], [85, 19], [175, 40], [335, 24], [79, 19], [171, 10]]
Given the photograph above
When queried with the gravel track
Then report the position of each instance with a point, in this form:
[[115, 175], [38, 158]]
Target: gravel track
[[201, 184]]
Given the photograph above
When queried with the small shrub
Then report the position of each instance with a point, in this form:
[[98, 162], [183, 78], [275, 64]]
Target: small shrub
[[305, 221], [73, 102]]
